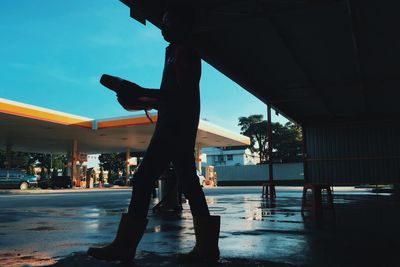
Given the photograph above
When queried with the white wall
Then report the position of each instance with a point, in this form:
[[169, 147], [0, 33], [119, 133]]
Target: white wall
[[219, 157], [92, 161], [282, 171]]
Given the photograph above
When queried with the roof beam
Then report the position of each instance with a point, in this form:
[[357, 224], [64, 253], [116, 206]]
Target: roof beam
[[313, 87], [355, 29]]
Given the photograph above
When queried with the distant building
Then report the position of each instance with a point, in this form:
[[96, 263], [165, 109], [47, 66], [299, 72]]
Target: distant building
[[229, 156], [92, 161]]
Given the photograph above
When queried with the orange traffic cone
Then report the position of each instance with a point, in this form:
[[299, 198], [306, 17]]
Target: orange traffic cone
[[100, 185]]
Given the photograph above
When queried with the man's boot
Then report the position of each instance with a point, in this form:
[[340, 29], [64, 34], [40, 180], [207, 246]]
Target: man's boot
[[206, 230], [123, 248]]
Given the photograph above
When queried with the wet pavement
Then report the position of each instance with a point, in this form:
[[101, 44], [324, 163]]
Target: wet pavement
[[56, 227]]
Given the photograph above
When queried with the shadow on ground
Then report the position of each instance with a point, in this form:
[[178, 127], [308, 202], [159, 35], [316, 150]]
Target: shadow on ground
[[152, 259]]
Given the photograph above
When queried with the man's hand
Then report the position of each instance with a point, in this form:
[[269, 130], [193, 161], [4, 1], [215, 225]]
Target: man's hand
[[133, 103]]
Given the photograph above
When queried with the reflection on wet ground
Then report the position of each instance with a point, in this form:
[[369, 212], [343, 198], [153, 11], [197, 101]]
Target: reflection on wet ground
[[145, 259], [33, 259], [254, 232]]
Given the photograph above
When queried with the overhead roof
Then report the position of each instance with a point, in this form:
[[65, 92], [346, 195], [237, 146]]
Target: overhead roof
[[34, 129], [314, 61]]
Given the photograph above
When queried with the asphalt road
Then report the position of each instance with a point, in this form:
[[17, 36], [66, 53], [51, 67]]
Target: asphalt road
[[62, 198], [40, 228]]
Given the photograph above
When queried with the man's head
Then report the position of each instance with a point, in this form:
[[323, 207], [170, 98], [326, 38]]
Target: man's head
[[177, 24]]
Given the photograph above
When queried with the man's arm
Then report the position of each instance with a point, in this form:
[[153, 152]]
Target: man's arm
[[130, 95], [138, 104], [150, 99]]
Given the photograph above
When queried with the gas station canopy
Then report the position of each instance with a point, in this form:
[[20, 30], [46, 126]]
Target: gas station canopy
[[33, 129]]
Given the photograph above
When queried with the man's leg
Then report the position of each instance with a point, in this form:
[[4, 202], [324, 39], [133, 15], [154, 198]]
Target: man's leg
[[154, 163], [133, 225], [185, 168], [206, 227]]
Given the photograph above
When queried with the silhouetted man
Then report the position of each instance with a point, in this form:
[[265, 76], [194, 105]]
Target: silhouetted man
[[178, 104]]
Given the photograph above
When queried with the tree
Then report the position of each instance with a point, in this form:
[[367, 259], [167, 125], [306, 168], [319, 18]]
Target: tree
[[17, 159], [26, 160], [112, 163], [286, 142], [286, 139], [101, 175], [48, 161], [59, 161], [256, 129]]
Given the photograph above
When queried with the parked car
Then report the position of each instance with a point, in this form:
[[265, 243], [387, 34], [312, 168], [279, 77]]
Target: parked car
[[121, 181], [56, 182], [14, 178]]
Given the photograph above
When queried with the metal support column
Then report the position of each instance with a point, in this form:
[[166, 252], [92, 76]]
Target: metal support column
[[269, 133], [305, 155], [269, 187]]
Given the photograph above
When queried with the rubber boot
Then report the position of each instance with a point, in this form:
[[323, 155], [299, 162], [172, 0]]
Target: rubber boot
[[206, 230], [123, 248]]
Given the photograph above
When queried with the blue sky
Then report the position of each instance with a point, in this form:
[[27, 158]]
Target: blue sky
[[53, 53]]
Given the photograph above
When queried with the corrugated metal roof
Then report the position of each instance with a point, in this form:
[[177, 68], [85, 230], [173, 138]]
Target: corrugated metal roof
[[314, 61]]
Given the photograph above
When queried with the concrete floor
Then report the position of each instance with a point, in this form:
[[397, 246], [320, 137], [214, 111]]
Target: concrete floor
[[55, 228]]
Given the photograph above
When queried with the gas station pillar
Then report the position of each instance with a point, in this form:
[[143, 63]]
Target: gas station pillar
[[198, 157], [74, 160]]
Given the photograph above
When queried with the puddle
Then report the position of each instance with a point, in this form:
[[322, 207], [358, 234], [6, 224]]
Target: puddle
[[282, 221], [8, 216], [115, 211], [271, 231], [147, 259], [43, 228], [15, 259], [164, 228], [216, 209]]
